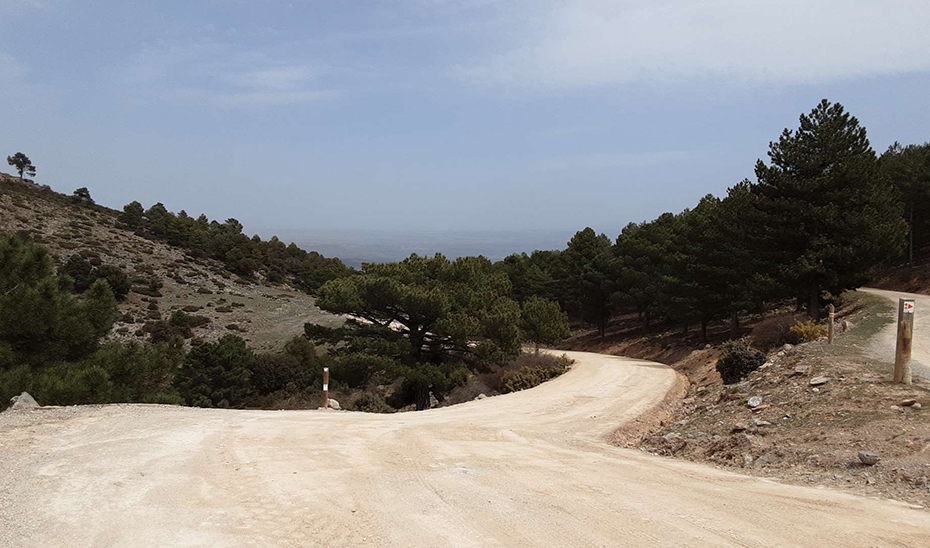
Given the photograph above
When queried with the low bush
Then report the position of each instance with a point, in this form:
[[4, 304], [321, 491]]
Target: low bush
[[369, 403], [182, 323], [773, 331], [808, 331], [533, 370], [738, 359], [528, 377], [116, 373]]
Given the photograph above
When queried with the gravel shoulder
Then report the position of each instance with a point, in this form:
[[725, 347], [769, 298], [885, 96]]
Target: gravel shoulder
[[525, 469], [883, 345]]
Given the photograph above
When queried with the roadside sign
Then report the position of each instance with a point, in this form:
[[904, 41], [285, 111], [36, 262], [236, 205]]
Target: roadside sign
[[908, 307]]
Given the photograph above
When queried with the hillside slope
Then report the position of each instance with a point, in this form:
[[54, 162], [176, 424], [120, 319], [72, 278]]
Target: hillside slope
[[266, 315]]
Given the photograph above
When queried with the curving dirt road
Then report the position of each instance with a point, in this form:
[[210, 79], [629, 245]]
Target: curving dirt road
[[883, 345], [526, 469]]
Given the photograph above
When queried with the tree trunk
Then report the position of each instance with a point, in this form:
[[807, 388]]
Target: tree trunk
[[422, 396], [910, 243], [684, 329], [799, 306], [813, 307], [734, 325]]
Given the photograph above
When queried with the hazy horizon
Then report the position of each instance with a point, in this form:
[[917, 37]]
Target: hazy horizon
[[355, 246]]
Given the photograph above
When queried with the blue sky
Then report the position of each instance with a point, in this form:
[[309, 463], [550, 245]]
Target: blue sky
[[441, 114]]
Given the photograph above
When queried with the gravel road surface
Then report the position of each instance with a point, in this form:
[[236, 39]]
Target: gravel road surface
[[525, 469]]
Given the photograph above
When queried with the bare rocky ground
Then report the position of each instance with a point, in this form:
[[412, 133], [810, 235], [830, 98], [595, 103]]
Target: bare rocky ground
[[805, 416], [263, 314]]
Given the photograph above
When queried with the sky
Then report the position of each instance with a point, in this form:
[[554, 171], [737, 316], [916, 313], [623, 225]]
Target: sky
[[441, 115]]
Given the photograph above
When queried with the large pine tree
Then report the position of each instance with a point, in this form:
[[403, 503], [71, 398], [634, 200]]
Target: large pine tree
[[829, 216]]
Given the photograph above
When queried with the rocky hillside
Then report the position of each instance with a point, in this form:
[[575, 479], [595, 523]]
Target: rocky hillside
[[164, 278]]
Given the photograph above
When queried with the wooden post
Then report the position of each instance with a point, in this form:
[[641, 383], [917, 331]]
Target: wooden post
[[902, 351], [830, 328], [325, 388]]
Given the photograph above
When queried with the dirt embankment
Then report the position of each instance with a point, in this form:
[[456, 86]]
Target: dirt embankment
[[805, 416]]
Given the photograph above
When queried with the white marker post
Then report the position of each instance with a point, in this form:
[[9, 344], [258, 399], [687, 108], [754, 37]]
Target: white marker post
[[325, 388], [902, 351]]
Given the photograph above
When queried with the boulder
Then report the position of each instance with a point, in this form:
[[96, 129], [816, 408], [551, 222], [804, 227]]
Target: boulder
[[23, 402], [754, 401], [908, 402], [333, 404], [481, 396], [868, 459]]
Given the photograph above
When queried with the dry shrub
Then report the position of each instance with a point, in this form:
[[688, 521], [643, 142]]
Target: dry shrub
[[808, 331], [773, 331]]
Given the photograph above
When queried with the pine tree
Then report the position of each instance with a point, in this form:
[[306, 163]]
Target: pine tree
[[908, 169], [829, 216], [543, 322], [584, 272]]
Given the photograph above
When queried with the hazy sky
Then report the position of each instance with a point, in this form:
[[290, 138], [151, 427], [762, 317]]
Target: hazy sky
[[441, 114]]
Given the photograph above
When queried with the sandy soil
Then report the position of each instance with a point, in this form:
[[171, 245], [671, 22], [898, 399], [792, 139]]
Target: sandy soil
[[883, 345], [525, 469]]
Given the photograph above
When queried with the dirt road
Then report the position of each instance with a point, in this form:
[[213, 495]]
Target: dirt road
[[526, 469], [883, 345]]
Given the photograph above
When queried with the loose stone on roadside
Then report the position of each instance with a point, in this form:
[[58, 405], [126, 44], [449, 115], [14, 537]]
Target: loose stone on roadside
[[869, 459], [819, 380]]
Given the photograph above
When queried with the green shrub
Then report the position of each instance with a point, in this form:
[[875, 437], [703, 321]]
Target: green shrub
[[808, 331], [115, 373], [79, 274], [369, 403], [182, 323], [737, 360], [528, 377], [217, 374]]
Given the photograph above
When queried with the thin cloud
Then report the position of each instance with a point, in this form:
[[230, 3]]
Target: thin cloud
[[219, 74], [590, 43]]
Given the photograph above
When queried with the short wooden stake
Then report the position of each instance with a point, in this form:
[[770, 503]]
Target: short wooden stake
[[902, 351], [325, 388], [830, 324]]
